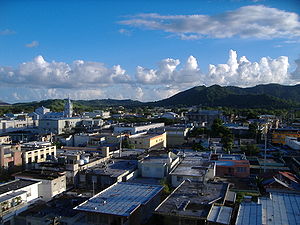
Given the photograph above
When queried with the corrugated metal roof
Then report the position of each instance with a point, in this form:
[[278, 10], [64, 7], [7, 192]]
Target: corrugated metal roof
[[249, 214], [120, 199], [220, 214]]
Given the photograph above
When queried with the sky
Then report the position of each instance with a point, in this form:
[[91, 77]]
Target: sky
[[144, 50]]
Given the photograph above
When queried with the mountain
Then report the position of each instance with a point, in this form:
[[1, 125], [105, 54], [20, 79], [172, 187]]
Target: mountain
[[260, 96], [4, 103]]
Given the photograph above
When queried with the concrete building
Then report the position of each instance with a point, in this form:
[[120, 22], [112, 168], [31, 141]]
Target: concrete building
[[158, 166], [10, 156], [194, 168], [107, 173], [5, 140], [122, 203], [136, 128], [36, 152], [293, 142], [149, 141], [58, 125], [9, 125], [15, 197], [204, 117], [97, 113], [231, 165], [190, 203], [68, 110], [57, 211], [176, 135], [51, 183], [279, 135]]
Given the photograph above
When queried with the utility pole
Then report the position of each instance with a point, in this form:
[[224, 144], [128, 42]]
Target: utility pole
[[265, 131]]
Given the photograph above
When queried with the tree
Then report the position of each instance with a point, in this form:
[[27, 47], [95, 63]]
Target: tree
[[250, 150]]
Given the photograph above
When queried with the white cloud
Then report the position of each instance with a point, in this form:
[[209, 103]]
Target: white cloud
[[125, 32], [32, 44], [256, 21], [39, 79]]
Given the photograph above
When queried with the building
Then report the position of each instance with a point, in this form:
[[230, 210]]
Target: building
[[176, 135], [68, 110], [232, 165], [9, 125], [158, 166], [10, 156], [278, 208], [51, 183], [194, 168], [204, 117], [97, 113], [279, 135], [293, 142], [149, 141], [15, 197], [107, 173], [190, 203], [5, 140], [137, 128], [170, 115], [57, 211], [122, 203], [36, 152], [58, 125]]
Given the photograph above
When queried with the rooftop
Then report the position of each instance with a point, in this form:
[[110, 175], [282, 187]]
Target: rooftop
[[15, 185], [120, 199], [193, 165], [39, 174], [113, 168], [220, 214], [249, 213], [192, 199]]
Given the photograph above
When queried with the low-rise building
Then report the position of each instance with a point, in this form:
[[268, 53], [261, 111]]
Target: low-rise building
[[293, 142], [194, 168], [204, 117], [149, 141], [122, 203], [5, 140], [15, 197], [232, 165], [190, 203], [279, 135], [136, 128], [10, 156], [158, 166], [36, 152], [9, 125], [107, 173], [58, 125], [51, 183]]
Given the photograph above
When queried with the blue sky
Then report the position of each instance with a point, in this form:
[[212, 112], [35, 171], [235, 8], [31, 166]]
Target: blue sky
[[145, 50]]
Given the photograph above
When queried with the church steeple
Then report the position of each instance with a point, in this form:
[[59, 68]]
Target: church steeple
[[68, 112]]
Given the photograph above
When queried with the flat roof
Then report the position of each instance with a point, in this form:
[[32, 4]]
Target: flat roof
[[220, 214], [113, 167], [192, 165], [191, 199], [120, 199], [39, 174], [15, 185]]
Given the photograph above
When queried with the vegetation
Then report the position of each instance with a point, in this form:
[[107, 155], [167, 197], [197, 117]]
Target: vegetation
[[250, 150], [219, 130]]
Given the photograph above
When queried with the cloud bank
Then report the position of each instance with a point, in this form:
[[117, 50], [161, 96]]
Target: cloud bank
[[39, 79], [256, 21]]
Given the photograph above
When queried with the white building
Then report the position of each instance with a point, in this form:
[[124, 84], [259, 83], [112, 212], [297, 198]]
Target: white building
[[10, 125], [134, 129], [292, 142], [15, 197], [57, 125], [97, 113]]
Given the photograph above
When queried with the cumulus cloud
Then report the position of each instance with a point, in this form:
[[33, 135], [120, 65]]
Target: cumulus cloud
[[39, 79], [79, 74], [32, 44], [256, 21]]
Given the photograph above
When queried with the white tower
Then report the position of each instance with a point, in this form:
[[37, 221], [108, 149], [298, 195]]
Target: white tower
[[68, 112]]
